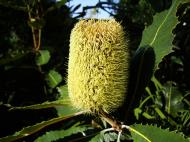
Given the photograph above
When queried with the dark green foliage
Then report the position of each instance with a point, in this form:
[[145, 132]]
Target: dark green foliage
[[141, 69], [34, 46], [159, 5]]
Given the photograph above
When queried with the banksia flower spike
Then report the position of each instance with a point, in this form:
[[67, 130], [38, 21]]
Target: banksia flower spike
[[98, 65]]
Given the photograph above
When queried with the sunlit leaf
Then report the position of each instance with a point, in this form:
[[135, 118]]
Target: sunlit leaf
[[63, 91], [42, 57], [151, 133], [68, 109], [62, 105], [108, 137], [60, 134], [53, 78], [159, 34], [35, 128]]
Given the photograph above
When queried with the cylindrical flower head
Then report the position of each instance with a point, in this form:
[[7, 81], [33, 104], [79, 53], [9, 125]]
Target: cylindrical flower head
[[98, 65]]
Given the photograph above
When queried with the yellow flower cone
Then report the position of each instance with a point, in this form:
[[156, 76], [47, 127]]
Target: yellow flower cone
[[98, 65]]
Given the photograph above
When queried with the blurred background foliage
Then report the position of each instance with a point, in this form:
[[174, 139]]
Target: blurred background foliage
[[34, 47]]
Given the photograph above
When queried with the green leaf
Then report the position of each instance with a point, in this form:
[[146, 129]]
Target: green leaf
[[60, 134], [63, 102], [159, 34], [63, 91], [35, 128], [148, 116], [160, 113], [42, 57], [66, 110], [185, 118], [107, 137], [154, 134], [173, 99], [137, 112], [64, 97], [62, 105], [53, 78], [141, 70]]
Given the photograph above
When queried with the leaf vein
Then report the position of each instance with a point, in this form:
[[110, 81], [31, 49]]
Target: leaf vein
[[162, 24]]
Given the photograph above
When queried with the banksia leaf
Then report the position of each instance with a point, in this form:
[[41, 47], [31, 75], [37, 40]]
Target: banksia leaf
[[98, 65], [60, 134], [53, 78], [107, 137], [155, 134], [27, 131], [159, 35], [141, 71], [43, 57]]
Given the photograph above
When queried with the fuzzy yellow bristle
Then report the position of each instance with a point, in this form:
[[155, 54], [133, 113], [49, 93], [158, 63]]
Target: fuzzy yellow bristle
[[98, 65]]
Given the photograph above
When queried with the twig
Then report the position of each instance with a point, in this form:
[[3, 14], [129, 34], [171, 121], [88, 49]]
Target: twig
[[119, 136], [36, 32], [115, 124], [32, 28]]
